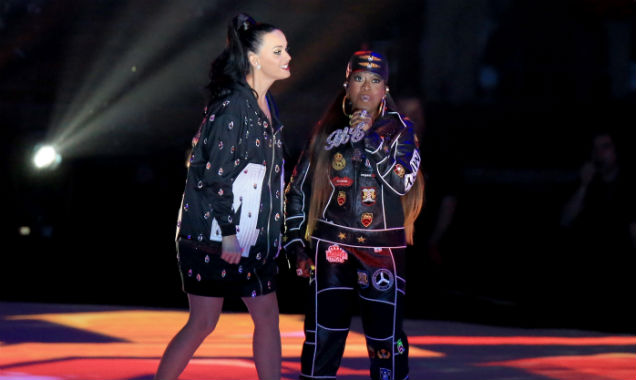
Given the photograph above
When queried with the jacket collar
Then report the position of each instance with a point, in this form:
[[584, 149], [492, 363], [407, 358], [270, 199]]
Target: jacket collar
[[249, 94]]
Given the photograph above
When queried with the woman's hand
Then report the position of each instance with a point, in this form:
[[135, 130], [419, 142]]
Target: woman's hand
[[304, 264], [361, 118], [231, 249]]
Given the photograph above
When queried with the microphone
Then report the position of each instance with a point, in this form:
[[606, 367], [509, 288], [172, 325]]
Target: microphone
[[362, 124]]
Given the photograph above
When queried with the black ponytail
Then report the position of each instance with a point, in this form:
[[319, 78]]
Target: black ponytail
[[231, 66]]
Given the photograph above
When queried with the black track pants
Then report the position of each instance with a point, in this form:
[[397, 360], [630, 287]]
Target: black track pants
[[374, 276]]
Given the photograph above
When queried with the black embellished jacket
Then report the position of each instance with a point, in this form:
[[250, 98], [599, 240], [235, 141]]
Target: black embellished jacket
[[235, 178], [368, 174]]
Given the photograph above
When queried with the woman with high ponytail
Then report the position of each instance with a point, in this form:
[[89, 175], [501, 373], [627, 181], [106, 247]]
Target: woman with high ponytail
[[231, 214]]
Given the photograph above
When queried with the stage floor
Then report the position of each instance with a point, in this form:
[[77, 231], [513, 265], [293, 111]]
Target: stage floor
[[49, 341]]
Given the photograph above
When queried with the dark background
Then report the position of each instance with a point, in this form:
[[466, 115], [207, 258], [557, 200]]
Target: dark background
[[513, 92]]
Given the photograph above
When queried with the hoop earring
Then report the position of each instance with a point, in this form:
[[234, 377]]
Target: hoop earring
[[344, 106], [382, 107]]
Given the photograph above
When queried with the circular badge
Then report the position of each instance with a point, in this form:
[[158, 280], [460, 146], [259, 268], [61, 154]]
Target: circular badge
[[338, 162], [382, 279]]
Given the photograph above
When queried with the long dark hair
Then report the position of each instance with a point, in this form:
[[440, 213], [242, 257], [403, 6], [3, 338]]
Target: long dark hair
[[231, 66], [333, 119]]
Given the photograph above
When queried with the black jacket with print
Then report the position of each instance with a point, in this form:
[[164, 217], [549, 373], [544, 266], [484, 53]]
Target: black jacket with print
[[235, 178], [367, 175]]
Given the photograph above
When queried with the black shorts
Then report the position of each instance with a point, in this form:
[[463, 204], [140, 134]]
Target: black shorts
[[204, 273]]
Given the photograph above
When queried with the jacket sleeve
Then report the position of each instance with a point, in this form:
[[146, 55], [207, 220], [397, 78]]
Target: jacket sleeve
[[394, 156], [220, 145], [297, 195]]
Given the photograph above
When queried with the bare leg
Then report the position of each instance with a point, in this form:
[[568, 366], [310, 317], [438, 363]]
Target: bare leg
[[266, 341], [204, 314]]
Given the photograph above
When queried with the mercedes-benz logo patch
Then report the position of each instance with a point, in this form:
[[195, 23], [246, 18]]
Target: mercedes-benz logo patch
[[382, 279]]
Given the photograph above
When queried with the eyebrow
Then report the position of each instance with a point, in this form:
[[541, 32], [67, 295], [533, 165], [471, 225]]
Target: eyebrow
[[373, 75]]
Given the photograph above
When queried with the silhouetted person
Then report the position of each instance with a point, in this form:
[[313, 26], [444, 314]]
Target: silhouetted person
[[601, 214], [432, 253]]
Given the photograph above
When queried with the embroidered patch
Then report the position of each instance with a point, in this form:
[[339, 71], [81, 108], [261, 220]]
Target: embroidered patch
[[415, 160], [366, 218], [368, 196], [363, 279], [357, 155], [342, 181], [342, 136], [342, 198], [409, 179], [400, 347], [335, 254], [399, 170], [338, 162], [385, 374], [383, 353], [382, 279]]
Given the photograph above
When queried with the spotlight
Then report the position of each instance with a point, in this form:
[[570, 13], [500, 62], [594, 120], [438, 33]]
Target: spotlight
[[46, 157]]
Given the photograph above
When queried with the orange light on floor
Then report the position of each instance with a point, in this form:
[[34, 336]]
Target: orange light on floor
[[523, 340], [608, 366], [139, 337]]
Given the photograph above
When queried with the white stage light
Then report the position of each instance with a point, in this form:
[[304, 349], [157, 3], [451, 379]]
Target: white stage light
[[46, 156]]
